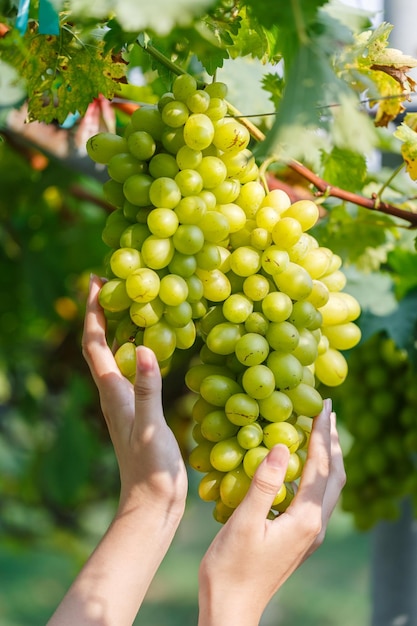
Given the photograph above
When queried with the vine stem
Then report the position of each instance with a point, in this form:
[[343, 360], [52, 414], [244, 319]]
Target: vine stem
[[323, 188]]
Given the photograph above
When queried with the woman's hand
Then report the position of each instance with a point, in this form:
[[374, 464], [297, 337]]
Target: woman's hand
[[152, 471], [112, 584], [252, 556]]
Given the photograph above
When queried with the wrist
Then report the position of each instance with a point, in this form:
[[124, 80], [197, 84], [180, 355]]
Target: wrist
[[220, 605]]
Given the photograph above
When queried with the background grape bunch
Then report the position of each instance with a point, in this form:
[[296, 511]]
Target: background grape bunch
[[378, 406], [201, 248]]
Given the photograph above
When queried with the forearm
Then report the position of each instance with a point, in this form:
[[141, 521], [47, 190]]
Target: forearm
[[112, 584], [226, 606]]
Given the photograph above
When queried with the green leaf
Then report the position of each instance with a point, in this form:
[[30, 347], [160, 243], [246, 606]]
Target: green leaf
[[68, 77], [404, 264], [408, 136], [344, 168]]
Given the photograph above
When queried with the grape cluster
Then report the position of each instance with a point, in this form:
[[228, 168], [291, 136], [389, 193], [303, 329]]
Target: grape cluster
[[378, 405], [200, 247]]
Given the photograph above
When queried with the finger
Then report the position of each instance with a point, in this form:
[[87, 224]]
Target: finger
[[148, 388], [337, 476], [265, 484], [316, 469], [94, 344]]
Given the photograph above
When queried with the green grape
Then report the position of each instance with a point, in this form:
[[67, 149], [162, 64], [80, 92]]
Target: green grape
[[185, 335], [142, 285], [183, 86], [164, 192], [160, 338], [208, 258], [157, 252], [277, 306], [316, 262], [294, 281], [221, 512], [113, 193], [266, 217], [125, 357], [278, 199], [319, 294], [234, 214], [195, 287], [115, 224], [277, 407], [198, 131], [103, 146], [212, 171], [125, 331], [173, 289], [227, 191], [141, 144], [188, 239], [200, 409], [175, 114], [258, 381], [245, 261], [241, 409], [178, 315], [162, 222], [172, 139], [256, 287], [307, 350], [190, 210], [234, 486], [237, 163], [282, 336], [209, 199], [217, 388], [302, 314], [113, 296], [199, 457], [163, 165], [281, 432], [305, 400], [146, 314], [237, 307], [251, 197], [286, 232], [198, 101], [231, 136], [133, 236], [257, 323], [286, 368], [251, 349], [124, 261], [209, 486], [250, 435], [136, 189], [189, 182], [216, 89], [148, 118], [214, 226], [336, 281], [216, 426], [185, 265], [123, 165], [223, 337], [260, 238], [216, 286], [226, 455], [274, 261], [253, 458], [305, 212], [188, 158]]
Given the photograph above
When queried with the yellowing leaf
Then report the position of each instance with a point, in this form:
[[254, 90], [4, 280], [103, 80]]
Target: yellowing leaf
[[409, 148]]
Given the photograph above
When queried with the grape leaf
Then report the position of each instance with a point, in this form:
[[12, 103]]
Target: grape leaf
[[383, 71], [408, 136], [404, 264], [159, 16], [64, 77], [338, 166]]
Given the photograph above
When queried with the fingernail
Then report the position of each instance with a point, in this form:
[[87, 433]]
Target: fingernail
[[278, 456], [145, 359], [328, 405]]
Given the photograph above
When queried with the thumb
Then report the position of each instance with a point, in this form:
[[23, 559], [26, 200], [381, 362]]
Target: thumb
[[148, 386], [266, 483]]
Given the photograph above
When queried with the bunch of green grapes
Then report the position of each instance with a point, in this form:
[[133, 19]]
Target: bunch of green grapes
[[283, 328], [200, 247], [378, 405]]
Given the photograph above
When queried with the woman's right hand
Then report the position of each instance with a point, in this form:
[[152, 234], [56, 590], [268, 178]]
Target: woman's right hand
[[252, 556]]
